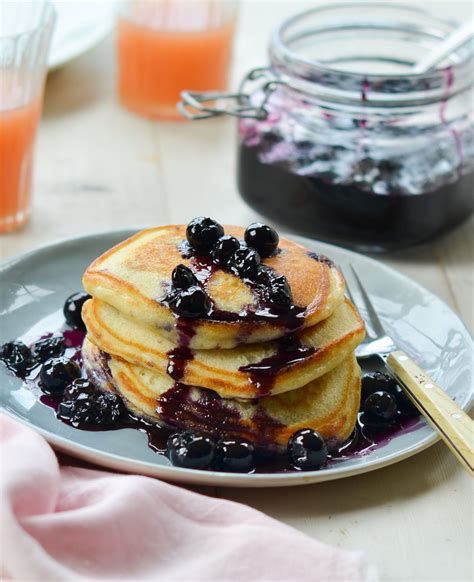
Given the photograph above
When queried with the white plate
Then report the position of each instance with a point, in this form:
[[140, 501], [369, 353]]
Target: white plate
[[35, 285], [80, 25]]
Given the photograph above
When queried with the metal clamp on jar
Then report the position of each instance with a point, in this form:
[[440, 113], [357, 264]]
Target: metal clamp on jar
[[339, 139]]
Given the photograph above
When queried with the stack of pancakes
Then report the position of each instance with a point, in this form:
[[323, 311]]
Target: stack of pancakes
[[243, 373]]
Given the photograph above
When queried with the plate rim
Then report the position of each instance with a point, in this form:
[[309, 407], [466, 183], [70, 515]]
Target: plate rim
[[219, 478], [97, 34], [214, 478]]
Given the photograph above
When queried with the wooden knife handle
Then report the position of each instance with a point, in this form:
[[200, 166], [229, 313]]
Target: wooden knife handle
[[453, 424]]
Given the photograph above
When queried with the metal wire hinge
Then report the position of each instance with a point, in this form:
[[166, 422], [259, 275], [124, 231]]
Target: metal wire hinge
[[203, 105]]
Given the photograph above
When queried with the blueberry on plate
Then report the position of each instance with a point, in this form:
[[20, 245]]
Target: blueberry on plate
[[307, 450], [48, 347], [244, 262], [183, 278], [404, 404], [380, 407], [84, 405], [57, 373], [280, 292], [202, 233], [223, 250], [375, 381], [236, 456], [17, 357], [262, 238], [190, 451], [77, 387], [193, 303], [73, 310]]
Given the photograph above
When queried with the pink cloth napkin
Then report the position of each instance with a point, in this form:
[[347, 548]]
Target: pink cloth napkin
[[69, 523]]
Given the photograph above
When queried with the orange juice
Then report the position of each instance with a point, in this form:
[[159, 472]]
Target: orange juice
[[17, 137], [155, 65]]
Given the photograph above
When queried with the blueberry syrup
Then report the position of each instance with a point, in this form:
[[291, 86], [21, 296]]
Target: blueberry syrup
[[290, 352], [263, 310], [365, 439], [321, 258], [204, 411], [348, 213], [179, 356]]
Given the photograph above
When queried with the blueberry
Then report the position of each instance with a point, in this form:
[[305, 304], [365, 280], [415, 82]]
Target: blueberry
[[307, 450], [202, 233], [17, 358], [79, 386], [244, 262], [190, 451], [305, 144], [49, 347], [381, 406], [264, 276], [280, 292], [374, 381], [73, 310], [57, 373], [270, 138], [404, 404], [193, 302], [223, 250], [262, 238], [183, 278], [82, 404], [235, 456]]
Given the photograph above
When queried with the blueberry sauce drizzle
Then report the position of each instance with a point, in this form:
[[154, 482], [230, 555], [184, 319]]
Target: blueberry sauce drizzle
[[179, 356], [261, 374], [263, 310], [290, 352], [321, 259], [208, 413]]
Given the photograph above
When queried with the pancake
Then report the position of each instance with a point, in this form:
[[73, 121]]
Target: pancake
[[248, 371], [135, 276], [328, 404]]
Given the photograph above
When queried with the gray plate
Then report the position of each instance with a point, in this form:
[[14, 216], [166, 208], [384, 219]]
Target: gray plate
[[33, 288]]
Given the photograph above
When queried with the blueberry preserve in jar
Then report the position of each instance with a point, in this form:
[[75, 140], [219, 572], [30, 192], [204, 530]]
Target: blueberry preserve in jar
[[340, 140]]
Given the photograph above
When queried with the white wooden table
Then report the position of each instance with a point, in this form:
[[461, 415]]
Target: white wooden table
[[100, 168]]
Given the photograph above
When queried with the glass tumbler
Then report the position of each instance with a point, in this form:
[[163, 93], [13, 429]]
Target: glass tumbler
[[25, 34], [165, 46]]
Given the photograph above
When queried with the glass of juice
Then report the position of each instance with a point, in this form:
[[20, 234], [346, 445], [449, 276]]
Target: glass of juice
[[166, 46], [25, 34]]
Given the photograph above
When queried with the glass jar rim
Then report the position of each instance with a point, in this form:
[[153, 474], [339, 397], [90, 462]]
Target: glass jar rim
[[304, 74]]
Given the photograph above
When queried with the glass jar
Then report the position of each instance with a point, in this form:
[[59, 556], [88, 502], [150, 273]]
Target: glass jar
[[340, 141]]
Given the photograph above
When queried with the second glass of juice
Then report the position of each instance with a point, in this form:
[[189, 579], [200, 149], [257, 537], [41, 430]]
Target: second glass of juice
[[25, 34], [166, 46]]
